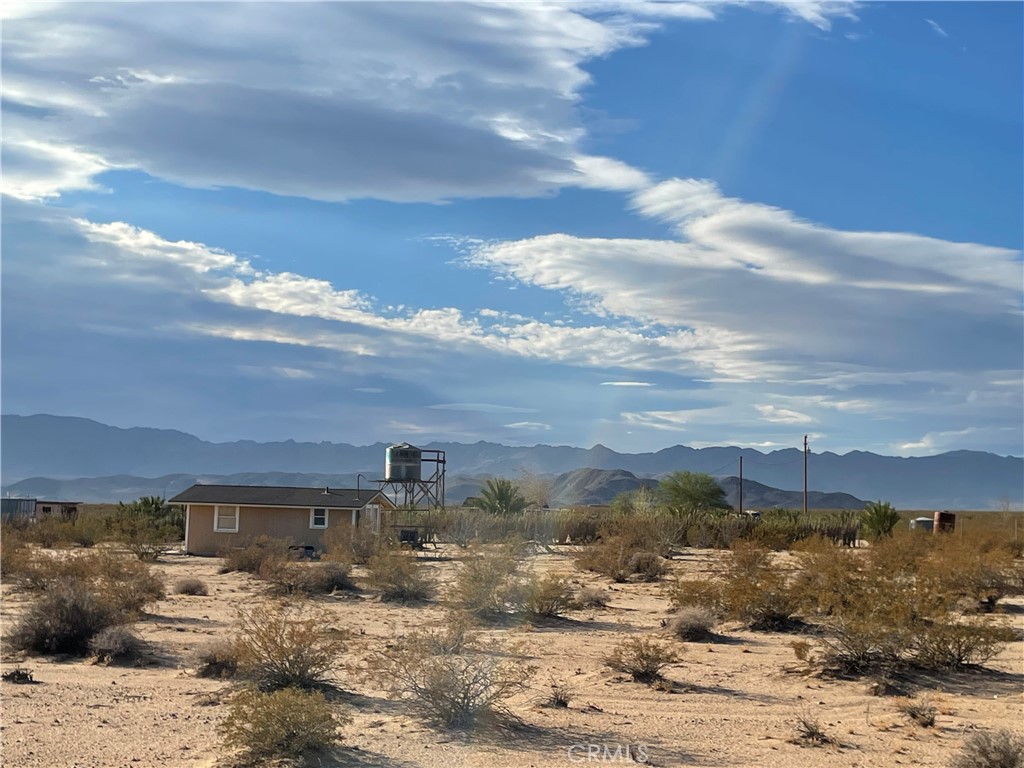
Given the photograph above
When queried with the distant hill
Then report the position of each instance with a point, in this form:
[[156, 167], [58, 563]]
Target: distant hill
[[762, 497], [62, 447], [593, 486]]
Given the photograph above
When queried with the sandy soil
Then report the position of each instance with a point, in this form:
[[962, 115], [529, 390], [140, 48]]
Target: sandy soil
[[735, 703]]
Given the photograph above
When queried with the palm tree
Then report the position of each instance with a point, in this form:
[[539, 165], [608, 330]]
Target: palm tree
[[501, 497], [878, 519]]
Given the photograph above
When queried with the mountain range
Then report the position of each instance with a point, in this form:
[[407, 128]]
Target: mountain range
[[54, 449]]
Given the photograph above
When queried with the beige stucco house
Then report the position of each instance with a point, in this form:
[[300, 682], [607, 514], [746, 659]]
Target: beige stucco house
[[220, 517]]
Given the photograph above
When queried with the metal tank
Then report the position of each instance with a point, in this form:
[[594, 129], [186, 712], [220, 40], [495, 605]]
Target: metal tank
[[402, 463]]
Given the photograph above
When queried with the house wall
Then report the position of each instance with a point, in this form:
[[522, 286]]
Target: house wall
[[277, 522]]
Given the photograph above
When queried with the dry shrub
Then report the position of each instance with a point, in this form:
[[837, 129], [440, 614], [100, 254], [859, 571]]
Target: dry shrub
[[12, 550], [560, 693], [697, 593], [755, 592], [549, 596], [692, 624], [350, 544], [921, 711], [283, 724], [488, 585], [991, 749], [944, 645], [282, 646], [642, 658], [63, 621], [291, 578], [618, 557], [975, 574], [453, 677], [399, 577], [592, 597], [116, 645], [127, 584], [218, 659], [254, 555], [810, 733], [190, 586]]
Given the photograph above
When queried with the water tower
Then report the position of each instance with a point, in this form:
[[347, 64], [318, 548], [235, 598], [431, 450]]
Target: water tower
[[414, 477]]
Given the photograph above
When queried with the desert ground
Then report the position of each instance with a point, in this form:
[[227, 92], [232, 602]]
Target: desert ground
[[735, 700]]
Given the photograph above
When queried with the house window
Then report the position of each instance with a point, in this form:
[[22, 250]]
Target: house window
[[47, 510], [225, 519], [318, 518]]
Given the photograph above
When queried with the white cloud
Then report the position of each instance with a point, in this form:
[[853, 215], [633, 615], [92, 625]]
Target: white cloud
[[782, 415], [936, 28], [332, 101], [530, 426], [481, 408], [626, 384]]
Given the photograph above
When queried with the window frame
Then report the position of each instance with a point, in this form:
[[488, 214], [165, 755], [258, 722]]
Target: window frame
[[312, 518], [216, 518]]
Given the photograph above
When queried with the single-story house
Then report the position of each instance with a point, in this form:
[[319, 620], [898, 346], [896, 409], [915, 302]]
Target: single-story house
[[34, 510], [224, 516], [66, 509]]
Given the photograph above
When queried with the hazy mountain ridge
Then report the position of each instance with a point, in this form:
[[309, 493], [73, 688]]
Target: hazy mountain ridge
[[70, 447]]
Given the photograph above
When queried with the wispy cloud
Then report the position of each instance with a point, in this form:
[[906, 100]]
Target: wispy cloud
[[530, 426], [626, 384], [783, 415], [936, 28]]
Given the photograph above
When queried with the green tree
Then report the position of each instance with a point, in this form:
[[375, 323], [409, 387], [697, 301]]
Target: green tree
[[878, 519], [688, 492], [149, 526], [501, 497]]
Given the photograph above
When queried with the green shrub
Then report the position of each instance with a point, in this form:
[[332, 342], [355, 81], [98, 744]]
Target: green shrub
[[549, 596], [991, 749], [398, 577], [282, 724], [878, 520], [641, 658], [280, 646], [190, 586], [945, 645], [116, 644]]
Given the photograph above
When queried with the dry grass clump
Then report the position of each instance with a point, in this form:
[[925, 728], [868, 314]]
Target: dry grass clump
[[254, 555], [991, 749], [453, 677], [810, 733], [489, 585], [293, 578], [592, 597], [642, 658], [399, 577], [560, 694], [190, 586], [921, 711], [549, 596], [287, 723], [692, 624], [218, 660], [116, 645], [280, 646]]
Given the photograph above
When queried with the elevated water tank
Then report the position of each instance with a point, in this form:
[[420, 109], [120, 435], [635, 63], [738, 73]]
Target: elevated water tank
[[402, 462]]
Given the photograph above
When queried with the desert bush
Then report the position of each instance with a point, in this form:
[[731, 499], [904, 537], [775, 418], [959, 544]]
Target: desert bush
[[190, 586], [287, 646], [692, 624], [125, 585], [592, 597], [116, 644], [991, 749], [291, 578], [945, 645], [971, 573], [620, 556], [549, 596], [642, 658], [488, 585], [218, 659], [63, 620], [755, 592], [282, 724], [809, 732], [921, 711], [398, 577], [149, 527], [649, 566], [350, 544], [452, 684], [13, 552], [878, 520], [697, 593], [254, 554]]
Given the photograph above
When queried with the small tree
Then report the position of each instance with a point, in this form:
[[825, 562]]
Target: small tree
[[149, 526], [689, 492], [501, 497], [878, 520]]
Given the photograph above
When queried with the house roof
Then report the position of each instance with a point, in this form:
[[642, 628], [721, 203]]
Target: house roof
[[276, 496]]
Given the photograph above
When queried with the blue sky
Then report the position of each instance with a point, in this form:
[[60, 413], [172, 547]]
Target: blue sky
[[638, 224]]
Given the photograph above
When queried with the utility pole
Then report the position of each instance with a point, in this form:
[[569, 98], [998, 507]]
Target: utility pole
[[741, 490], [805, 474]]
